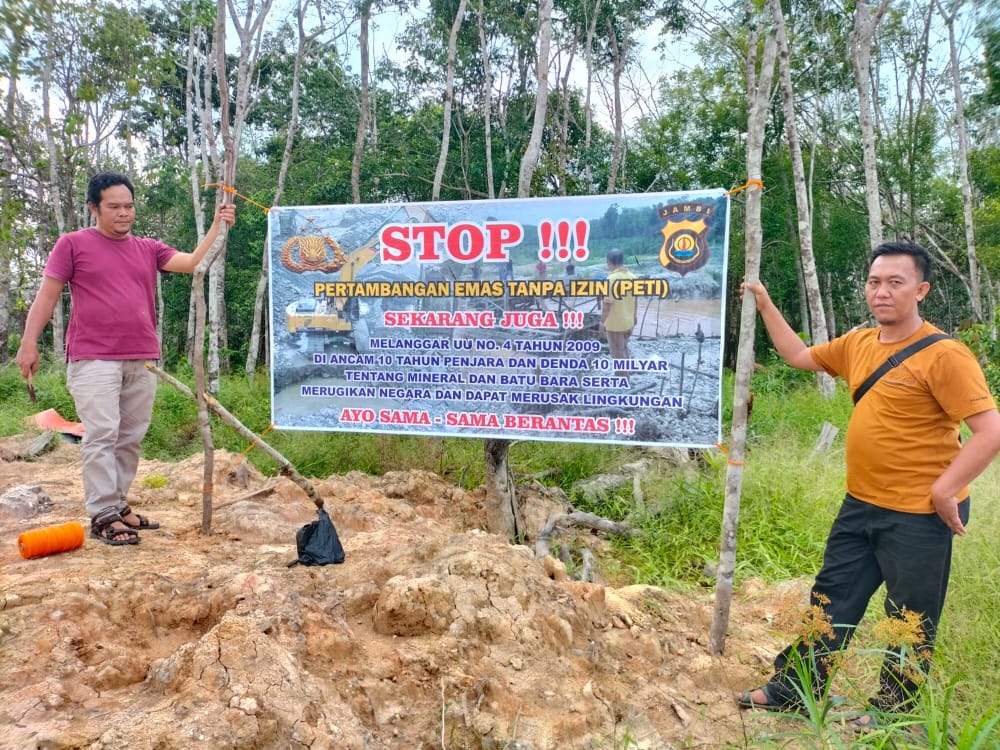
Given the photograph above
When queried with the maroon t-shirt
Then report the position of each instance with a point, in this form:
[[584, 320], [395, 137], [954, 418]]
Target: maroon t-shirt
[[113, 292]]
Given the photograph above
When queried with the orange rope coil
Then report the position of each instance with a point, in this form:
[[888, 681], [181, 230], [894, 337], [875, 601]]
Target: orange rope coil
[[52, 539]]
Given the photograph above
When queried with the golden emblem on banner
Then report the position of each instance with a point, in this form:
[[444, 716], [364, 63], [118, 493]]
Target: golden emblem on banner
[[685, 246], [314, 254]]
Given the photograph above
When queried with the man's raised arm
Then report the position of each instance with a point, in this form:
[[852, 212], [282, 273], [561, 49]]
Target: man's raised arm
[[791, 348]]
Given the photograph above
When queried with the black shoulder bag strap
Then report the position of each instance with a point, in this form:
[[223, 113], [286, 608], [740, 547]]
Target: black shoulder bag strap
[[894, 361]]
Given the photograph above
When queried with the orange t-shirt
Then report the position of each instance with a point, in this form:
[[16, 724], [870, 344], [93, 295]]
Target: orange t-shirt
[[904, 433]]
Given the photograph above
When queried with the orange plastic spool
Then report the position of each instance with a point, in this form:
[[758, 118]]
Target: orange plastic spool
[[52, 539]]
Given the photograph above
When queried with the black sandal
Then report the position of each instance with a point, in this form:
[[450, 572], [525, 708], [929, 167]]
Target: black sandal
[[144, 523], [101, 527], [745, 700]]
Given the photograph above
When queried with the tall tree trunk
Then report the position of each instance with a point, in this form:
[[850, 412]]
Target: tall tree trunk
[[258, 334], [4, 306], [250, 30], [564, 118], [218, 330], [975, 291], [216, 275], [258, 330], [533, 150], [193, 104], [831, 317], [588, 125], [228, 175], [862, 37], [198, 96], [7, 199], [58, 320], [487, 102], [4, 309], [759, 97], [916, 105], [449, 97], [364, 105], [803, 202], [618, 118]]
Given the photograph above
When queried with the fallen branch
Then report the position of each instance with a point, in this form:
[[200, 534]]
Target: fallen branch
[[287, 469], [267, 489], [543, 543]]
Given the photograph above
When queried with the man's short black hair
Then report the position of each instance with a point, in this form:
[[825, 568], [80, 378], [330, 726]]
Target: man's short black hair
[[921, 258], [615, 257], [102, 181]]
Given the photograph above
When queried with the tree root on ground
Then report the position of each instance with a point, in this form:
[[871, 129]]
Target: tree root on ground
[[543, 542]]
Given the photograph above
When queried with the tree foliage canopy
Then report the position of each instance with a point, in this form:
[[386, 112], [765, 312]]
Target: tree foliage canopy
[[91, 88]]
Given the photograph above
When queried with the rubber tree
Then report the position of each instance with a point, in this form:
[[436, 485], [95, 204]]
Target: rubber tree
[[866, 20], [762, 49], [803, 196], [949, 14]]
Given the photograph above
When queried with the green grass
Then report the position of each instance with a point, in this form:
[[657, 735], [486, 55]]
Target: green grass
[[969, 639], [50, 389], [174, 434], [788, 497]]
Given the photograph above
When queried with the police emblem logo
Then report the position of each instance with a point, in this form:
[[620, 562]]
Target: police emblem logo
[[685, 245]]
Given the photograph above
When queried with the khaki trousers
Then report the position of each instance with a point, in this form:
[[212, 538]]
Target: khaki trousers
[[114, 401]]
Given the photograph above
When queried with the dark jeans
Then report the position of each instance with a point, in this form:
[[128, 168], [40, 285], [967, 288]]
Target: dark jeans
[[868, 545]]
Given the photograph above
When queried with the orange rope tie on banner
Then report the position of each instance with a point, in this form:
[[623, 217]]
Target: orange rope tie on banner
[[749, 183], [725, 450], [232, 191], [52, 539]]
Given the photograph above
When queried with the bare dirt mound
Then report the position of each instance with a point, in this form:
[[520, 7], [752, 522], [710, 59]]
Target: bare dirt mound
[[432, 633]]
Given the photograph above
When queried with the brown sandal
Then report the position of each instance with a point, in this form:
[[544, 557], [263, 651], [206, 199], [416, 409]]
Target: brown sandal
[[102, 528], [144, 523]]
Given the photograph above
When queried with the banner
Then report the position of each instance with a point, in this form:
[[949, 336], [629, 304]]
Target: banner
[[595, 319]]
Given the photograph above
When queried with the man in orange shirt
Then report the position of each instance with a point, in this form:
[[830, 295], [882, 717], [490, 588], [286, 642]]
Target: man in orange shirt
[[907, 476]]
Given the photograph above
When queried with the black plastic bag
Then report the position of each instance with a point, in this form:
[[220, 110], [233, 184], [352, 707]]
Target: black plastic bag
[[318, 543]]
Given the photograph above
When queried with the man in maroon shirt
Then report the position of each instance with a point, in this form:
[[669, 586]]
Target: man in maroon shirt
[[112, 332]]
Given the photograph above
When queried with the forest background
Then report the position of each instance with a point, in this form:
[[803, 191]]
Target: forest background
[[887, 127]]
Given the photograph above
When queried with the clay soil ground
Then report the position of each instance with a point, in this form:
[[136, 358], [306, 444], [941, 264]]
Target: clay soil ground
[[432, 633]]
